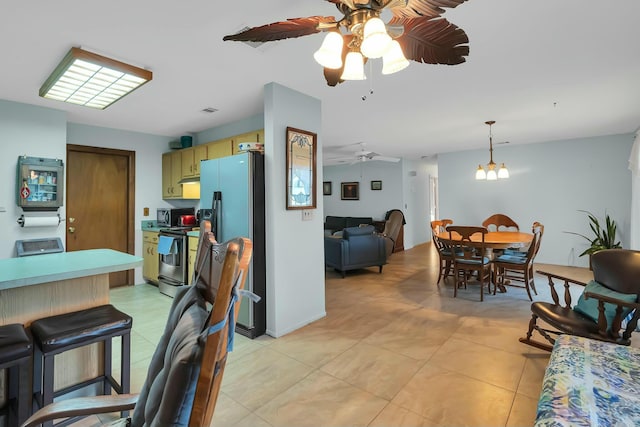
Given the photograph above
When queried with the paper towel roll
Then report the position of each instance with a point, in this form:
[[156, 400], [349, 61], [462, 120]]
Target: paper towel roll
[[39, 221]]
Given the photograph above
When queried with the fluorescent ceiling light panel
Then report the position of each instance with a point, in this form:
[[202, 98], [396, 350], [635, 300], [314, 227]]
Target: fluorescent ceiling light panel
[[92, 80]]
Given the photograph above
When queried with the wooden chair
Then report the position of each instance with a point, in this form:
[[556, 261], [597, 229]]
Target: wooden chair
[[444, 251], [519, 268], [469, 257], [500, 222], [606, 301], [191, 355]]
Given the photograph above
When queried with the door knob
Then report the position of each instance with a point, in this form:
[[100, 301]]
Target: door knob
[[72, 229]]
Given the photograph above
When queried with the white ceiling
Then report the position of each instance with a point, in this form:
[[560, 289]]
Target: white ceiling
[[544, 70]]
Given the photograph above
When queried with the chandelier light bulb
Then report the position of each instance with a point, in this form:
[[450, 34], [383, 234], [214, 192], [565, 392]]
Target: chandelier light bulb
[[375, 40], [503, 172], [492, 175], [330, 53], [480, 173], [353, 67], [393, 59]]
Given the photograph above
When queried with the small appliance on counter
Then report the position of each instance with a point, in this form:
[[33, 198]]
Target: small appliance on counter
[[203, 214], [187, 221], [169, 217]]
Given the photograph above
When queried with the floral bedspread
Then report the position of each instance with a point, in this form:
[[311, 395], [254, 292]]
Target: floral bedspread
[[590, 383]]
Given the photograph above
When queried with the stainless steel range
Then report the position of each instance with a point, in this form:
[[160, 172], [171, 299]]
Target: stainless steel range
[[172, 273]]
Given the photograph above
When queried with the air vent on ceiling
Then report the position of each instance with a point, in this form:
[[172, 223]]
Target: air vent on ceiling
[[209, 110]]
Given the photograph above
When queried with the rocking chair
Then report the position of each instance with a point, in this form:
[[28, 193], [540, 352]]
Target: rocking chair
[[606, 301]]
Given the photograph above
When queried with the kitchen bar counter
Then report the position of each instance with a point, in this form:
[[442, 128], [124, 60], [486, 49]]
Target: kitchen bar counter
[[39, 286], [37, 269]]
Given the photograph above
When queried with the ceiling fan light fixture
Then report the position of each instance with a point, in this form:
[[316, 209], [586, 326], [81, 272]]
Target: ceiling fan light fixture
[[375, 39], [330, 53], [353, 67], [393, 59]]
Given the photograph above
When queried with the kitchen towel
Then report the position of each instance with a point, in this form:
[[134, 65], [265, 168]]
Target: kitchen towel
[[167, 245]]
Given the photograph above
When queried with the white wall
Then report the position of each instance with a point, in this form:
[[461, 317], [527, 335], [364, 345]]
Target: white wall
[[295, 251], [373, 203], [35, 132], [549, 183]]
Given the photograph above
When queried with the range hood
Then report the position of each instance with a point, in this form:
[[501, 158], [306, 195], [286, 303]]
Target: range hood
[[190, 180]]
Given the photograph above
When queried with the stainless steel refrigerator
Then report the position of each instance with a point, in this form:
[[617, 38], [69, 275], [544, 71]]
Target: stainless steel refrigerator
[[233, 187]]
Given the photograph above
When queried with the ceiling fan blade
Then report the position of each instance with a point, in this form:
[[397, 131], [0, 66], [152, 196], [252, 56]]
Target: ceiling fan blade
[[294, 27], [432, 41], [426, 8], [386, 159]]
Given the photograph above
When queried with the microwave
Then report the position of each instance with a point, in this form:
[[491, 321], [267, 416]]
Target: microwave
[[168, 217]]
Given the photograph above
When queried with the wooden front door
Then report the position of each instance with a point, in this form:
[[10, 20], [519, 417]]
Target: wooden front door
[[100, 202]]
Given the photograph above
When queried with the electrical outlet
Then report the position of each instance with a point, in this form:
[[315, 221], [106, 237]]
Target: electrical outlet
[[307, 215]]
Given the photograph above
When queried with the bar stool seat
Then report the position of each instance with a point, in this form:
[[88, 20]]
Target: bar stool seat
[[16, 352], [57, 334]]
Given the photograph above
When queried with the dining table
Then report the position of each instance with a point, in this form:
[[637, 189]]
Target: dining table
[[493, 240]]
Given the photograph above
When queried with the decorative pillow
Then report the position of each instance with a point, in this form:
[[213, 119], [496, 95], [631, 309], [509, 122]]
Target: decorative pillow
[[589, 307]]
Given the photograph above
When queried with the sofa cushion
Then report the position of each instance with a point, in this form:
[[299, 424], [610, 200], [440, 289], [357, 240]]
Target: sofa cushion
[[335, 222], [349, 232]]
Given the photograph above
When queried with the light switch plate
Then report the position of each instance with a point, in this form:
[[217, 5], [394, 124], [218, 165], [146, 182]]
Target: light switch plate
[[307, 215]]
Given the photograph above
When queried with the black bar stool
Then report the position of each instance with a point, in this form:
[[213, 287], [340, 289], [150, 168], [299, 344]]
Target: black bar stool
[[16, 352], [57, 334]]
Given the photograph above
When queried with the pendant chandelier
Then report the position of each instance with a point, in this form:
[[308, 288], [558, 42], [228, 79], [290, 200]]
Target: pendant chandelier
[[368, 38], [490, 174]]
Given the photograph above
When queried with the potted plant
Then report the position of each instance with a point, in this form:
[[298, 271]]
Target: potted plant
[[604, 237]]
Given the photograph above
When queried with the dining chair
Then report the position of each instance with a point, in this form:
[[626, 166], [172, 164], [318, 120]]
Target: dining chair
[[444, 250], [185, 372], [518, 268], [469, 256], [500, 222]]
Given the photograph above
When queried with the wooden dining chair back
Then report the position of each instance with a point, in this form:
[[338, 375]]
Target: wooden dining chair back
[[185, 373], [445, 255], [469, 256], [500, 222], [510, 268]]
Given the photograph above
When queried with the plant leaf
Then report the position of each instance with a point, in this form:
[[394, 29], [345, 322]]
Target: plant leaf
[[426, 8], [294, 27]]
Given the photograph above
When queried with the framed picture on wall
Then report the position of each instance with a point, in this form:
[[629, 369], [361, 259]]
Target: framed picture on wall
[[350, 191], [376, 185], [326, 188], [301, 169]]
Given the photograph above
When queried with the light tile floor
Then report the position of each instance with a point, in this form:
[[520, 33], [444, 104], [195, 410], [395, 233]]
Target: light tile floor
[[395, 349]]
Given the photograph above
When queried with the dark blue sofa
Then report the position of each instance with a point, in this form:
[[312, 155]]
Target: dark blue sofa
[[359, 247], [338, 223]]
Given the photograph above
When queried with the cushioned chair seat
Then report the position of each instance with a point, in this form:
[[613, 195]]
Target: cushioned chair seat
[[474, 261], [512, 259], [569, 320], [14, 343], [79, 328]]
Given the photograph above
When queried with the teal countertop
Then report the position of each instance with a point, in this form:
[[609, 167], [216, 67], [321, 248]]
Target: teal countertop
[[33, 270]]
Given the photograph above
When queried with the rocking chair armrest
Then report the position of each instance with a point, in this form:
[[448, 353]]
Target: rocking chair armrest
[[612, 300], [567, 281], [563, 278], [82, 406]]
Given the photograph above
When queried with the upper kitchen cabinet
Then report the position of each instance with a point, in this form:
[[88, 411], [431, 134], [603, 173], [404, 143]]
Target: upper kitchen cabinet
[[171, 176], [191, 158], [220, 148], [253, 136]]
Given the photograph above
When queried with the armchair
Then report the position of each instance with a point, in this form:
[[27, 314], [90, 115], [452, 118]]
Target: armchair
[[359, 247], [392, 228], [190, 358], [605, 302]]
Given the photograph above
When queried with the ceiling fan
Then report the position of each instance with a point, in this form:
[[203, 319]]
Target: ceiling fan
[[416, 25], [363, 155]]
